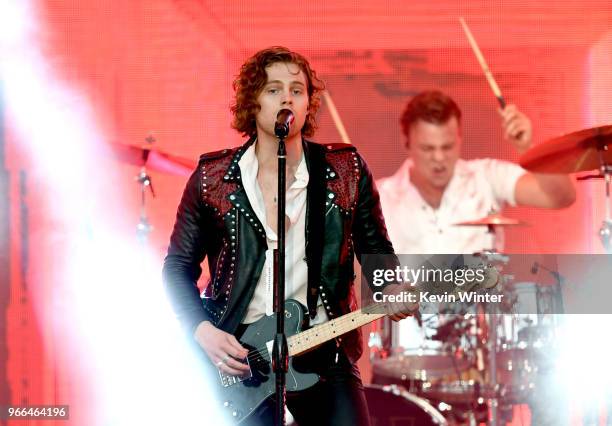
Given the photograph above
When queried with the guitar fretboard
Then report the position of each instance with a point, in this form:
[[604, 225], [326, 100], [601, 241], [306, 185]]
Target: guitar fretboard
[[319, 334]]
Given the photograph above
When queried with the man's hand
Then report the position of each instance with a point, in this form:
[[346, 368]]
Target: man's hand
[[399, 310], [517, 127], [222, 348]]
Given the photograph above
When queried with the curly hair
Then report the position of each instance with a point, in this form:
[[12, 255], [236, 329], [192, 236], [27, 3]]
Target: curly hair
[[431, 106], [253, 77]]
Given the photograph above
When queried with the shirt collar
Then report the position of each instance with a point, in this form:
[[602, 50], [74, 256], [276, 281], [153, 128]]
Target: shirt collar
[[249, 166], [296, 193], [406, 190]]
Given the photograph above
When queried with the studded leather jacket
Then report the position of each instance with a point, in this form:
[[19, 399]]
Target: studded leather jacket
[[215, 220]]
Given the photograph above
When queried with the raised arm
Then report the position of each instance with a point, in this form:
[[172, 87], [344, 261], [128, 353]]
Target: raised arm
[[551, 191]]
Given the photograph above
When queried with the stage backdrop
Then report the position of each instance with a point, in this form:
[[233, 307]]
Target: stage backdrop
[[82, 74]]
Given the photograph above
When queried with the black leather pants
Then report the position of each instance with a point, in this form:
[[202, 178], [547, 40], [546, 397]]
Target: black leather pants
[[337, 399]]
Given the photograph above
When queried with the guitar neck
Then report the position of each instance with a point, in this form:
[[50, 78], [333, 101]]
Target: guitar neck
[[319, 334]]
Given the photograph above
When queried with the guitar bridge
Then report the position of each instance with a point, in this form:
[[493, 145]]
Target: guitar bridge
[[228, 380]]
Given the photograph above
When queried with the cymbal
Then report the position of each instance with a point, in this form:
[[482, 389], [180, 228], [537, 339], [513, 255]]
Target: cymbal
[[574, 152], [494, 219], [153, 159]]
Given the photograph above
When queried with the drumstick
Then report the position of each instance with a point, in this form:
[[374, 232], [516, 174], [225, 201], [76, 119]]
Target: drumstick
[[483, 64], [336, 117]]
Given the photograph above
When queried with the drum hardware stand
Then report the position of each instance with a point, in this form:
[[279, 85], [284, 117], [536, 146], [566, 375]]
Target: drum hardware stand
[[605, 172], [558, 307], [144, 228], [494, 400], [605, 232], [493, 256]]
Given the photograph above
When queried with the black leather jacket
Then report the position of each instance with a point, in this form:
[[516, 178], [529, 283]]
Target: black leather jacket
[[215, 219]]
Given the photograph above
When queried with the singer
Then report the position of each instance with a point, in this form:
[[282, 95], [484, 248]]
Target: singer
[[228, 215]]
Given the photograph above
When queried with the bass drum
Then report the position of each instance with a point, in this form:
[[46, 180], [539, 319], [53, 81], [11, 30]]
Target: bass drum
[[393, 406]]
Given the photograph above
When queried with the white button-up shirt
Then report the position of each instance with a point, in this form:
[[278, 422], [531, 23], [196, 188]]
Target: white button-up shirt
[[296, 269], [414, 227], [476, 188]]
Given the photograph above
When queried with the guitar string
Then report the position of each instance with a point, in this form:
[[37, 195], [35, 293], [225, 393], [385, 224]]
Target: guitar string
[[370, 309], [339, 321], [258, 354]]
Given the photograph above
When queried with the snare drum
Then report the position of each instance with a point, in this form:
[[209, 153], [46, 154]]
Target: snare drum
[[420, 364], [392, 406]]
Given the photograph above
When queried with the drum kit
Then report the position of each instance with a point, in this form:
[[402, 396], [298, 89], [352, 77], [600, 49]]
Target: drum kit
[[475, 367]]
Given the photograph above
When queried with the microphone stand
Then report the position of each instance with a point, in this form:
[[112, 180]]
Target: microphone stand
[[280, 355]]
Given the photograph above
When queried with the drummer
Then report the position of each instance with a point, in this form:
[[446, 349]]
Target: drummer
[[434, 188]]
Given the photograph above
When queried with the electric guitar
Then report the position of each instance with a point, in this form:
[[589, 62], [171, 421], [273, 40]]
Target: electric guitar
[[239, 396]]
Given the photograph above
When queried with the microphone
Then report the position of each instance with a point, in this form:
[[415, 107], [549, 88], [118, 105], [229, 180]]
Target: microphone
[[284, 120]]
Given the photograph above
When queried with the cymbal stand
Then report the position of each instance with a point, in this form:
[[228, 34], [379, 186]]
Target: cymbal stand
[[144, 228], [605, 232], [493, 401], [492, 256]]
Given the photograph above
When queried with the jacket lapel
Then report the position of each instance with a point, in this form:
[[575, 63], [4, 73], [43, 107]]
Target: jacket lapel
[[315, 211], [239, 198], [315, 220]]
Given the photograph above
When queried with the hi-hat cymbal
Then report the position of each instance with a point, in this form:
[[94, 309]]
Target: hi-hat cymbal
[[494, 219], [575, 152], [153, 159]]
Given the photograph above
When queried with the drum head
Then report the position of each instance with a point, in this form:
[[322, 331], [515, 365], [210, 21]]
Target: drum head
[[456, 391], [391, 406], [420, 365]]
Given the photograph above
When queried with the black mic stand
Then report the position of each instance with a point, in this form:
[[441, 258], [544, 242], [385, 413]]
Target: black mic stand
[[280, 355]]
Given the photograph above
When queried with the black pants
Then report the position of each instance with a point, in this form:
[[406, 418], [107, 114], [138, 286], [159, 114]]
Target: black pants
[[337, 399]]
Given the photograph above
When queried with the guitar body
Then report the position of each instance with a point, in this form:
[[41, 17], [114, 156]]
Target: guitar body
[[240, 398]]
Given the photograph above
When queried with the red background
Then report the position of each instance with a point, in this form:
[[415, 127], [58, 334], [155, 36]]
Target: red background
[[165, 67]]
